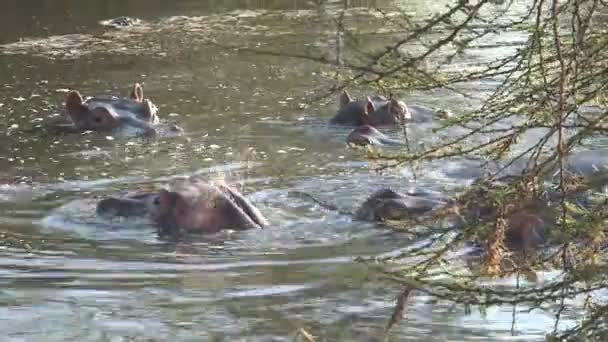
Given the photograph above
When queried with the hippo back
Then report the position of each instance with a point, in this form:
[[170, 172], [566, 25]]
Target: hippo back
[[354, 112], [387, 204]]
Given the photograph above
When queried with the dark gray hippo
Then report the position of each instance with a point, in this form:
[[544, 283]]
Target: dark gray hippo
[[380, 111], [387, 204], [193, 207], [368, 135], [526, 223], [109, 113]]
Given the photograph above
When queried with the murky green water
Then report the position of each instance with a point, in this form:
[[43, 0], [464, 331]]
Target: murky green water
[[67, 275]]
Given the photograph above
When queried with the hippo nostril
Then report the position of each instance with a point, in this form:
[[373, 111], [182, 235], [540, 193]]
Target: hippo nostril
[[98, 119], [156, 201]]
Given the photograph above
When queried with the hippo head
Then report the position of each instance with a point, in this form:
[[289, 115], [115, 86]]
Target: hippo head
[[386, 112], [107, 114], [377, 110], [386, 204], [382, 205], [102, 118], [191, 207], [205, 208]]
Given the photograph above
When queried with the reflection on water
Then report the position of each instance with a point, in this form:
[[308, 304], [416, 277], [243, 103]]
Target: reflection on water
[[69, 275]]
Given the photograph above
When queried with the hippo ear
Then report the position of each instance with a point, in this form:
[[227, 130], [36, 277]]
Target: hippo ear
[[234, 216], [399, 110], [137, 93], [345, 98], [149, 111], [369, 106], [247, 207], [74, 106]]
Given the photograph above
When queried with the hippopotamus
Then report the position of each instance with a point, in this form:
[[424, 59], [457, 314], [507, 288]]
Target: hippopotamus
[[525, 229], [368, 135], [380, 111], [193, 207], [387, 204], [109, 113], [121, 22]]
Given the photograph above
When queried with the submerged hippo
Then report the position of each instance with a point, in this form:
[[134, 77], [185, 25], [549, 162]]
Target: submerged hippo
[[387, 204], [193, 207], [121, 22], [525, 224], [380, 111], [109, 113], [368, 135]]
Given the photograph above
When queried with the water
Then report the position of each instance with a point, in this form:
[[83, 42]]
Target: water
[[67, 275]]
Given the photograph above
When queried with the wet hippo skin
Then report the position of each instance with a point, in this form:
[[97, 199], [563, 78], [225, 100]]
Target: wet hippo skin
[[379, 111], [368, 135], [107, 113], [387, 204], [373, 111], [195, 206], [525, 224]]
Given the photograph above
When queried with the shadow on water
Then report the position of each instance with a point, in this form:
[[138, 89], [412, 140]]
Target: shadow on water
[[67, 274]]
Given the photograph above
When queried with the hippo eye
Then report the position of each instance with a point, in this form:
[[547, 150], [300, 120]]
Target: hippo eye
[[98, 119]]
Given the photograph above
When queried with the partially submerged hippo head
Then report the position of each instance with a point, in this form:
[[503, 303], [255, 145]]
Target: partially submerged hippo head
[[106, 114], [386, 204], [368, 135], [373, 111], [524, 231], [192, 207], [121, 22]]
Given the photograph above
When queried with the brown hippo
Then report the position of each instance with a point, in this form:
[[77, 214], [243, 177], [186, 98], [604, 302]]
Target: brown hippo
[[380, 111], [109, 113], [368, 135], [194, 206], [525, 230]]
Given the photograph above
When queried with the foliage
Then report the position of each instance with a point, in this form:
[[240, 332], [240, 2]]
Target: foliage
[[553, 83]]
